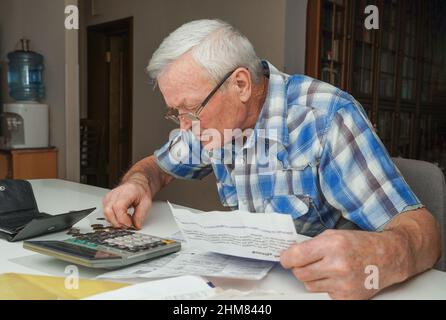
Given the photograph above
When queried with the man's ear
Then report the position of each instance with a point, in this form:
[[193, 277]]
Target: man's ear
[[243, 83]]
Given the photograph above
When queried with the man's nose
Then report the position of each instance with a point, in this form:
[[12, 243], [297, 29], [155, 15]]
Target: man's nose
[[185, 124]]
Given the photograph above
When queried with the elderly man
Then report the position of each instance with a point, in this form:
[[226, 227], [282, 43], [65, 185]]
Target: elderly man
[[329, 170]]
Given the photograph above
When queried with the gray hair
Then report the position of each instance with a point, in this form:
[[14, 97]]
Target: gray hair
[[215, 45]]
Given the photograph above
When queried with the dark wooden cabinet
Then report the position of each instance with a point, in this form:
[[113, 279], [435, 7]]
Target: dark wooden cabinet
[[398, 72]]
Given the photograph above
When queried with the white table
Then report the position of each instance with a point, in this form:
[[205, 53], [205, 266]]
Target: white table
[[58, 196]]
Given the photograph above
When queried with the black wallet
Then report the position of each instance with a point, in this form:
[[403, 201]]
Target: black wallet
[[20, 217]]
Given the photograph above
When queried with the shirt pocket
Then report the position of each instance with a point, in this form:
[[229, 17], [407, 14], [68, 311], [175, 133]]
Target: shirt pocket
[[294, 205], [283, 190]]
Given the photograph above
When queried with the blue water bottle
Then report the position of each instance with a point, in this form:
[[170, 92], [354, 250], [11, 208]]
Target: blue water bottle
[[25, 74]]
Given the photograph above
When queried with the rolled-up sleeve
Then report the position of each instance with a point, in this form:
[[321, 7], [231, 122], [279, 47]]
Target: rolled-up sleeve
[[356, 174]]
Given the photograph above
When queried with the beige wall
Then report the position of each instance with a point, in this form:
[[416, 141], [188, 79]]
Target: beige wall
[[10, 25], [262, 21], [41, 21], [295, 36], [275, 27]]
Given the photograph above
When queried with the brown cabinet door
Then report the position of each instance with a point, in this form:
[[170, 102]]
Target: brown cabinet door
[[34, 164], [5, 169]]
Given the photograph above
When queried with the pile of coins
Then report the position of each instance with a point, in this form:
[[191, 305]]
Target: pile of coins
[[97, 228]]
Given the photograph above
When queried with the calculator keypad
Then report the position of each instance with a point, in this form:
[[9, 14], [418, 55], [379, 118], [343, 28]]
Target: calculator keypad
[[120, 239]]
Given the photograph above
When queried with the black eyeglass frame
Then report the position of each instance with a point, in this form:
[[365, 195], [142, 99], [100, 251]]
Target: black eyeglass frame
[[173, 113]]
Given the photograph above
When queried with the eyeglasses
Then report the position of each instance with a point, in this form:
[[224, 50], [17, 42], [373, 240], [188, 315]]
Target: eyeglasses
[[174, 115]]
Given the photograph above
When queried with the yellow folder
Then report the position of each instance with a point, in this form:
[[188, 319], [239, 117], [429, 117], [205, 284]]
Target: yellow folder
[[15, 286]]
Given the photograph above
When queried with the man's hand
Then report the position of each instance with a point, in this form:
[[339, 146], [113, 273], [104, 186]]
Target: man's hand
[[335, 262], [117, 202], [137, 189]]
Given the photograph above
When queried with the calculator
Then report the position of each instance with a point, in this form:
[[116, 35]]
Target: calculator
[[107, 248]]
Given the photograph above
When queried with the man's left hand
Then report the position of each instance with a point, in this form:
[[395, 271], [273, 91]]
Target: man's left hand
[[335, 262]]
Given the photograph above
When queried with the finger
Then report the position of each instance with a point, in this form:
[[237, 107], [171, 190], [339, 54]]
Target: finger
[[110, 216], [141, 212], [312, 272], [120, 209], [107, 204], [323, 285], [106, 199], [302, 254]]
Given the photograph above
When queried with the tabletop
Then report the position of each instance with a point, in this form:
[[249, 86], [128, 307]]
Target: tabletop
[[58, 196]]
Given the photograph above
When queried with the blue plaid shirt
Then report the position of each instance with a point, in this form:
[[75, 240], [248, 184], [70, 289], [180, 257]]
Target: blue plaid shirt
[[330, 166]]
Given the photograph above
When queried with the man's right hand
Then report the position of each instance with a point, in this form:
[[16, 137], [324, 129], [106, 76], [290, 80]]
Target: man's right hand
[[117, 202]]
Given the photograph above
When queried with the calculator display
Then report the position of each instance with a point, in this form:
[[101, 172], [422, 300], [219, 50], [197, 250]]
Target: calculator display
[[79, 251]]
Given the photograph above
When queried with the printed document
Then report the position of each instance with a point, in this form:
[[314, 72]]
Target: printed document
[[194, 262], [236, 245], [259, 236], [180, 288]]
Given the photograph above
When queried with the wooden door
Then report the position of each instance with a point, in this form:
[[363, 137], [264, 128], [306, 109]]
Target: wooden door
[[109, 96]]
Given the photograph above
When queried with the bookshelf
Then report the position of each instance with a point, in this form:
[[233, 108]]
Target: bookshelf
[[398, 72]]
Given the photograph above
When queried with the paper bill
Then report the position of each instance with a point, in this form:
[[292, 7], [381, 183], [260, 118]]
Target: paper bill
[[194, 262], [242, 234], [179, 288]]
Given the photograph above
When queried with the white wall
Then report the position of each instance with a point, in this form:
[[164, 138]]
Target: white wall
[[41, 21], [263, 21]]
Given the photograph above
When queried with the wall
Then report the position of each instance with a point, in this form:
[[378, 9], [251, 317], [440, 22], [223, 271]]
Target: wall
[[275, 27], [41, 21], [10, 25], [295, 36], [72, 102], [262, 21]]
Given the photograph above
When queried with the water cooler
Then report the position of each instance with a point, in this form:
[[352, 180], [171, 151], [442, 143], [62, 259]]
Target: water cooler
[[24, 123]]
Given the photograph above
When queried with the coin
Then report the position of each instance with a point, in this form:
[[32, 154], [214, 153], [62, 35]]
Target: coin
[[73, 231], [97, 226], [100, 218]]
